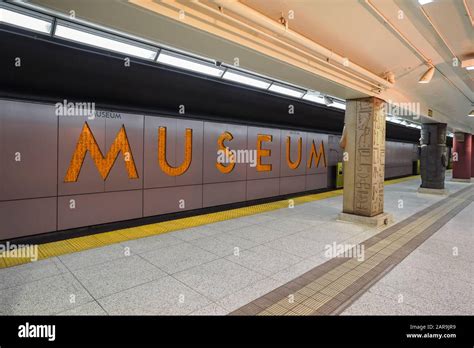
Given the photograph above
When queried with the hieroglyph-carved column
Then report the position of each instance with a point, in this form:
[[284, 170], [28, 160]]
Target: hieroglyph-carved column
[[364, 157]]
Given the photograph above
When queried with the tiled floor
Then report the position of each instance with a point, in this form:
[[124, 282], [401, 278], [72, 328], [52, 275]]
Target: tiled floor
[[218, 268], [436, 279]]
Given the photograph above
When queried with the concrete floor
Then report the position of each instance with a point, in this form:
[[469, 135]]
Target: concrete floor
[[217, 268]]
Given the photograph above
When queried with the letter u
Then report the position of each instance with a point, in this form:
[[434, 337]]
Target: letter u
[[188, 152]]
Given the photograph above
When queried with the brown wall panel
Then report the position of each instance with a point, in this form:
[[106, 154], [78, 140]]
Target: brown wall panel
[[175, 151], [294, 149], [275, 152], [223, 193], [212, 131], [292, 184], [89, 180], [27, 217], [28, 132], [316, 181], [263, 188], [168, 199], [318, 139], [118, 179], [99, 208]]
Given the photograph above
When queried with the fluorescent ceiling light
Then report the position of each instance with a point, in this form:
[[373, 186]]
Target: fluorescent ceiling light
[[101, 41], [468, 64], [292, 92], [246, 79], [25, 21], [314, 97], [424, 2], [188, 63], [427, 76]]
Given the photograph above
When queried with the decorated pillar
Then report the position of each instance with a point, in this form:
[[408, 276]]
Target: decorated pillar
[[364, 162], [433, 158]]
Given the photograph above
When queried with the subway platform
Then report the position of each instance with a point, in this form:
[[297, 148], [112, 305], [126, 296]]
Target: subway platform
[[282, 258]]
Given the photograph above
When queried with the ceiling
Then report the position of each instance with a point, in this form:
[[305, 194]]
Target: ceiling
[[374, 36]]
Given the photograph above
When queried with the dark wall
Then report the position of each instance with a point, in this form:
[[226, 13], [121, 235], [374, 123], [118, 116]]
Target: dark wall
[[54, 70]]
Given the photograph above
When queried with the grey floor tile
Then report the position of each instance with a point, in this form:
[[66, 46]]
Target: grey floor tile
[[179, 257], [258, 233], [212, 309], [223, 244], [218, 278], [141, 245], [228, 225], [298, 246], [22, 274], [298, 269], [93, 256], [46, 296], [248, 294], [165, 296], [372, 304], [91, 308], [286, 226], [264, 260], [189, 234], [117, 275]]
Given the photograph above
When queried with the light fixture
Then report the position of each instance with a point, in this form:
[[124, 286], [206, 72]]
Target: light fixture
[[471, 114], [468, 64], [97, 39], [26, 20], [314, 97], [328, 101], [428, 75], [338, 105], [424, 2], [189, 63], [286, 90], [246, 79]]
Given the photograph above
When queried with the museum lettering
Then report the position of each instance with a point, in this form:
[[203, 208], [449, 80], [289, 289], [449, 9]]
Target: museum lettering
[[87, 144]]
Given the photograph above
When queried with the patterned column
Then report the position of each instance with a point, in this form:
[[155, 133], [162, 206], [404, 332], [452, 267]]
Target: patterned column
[[433, 157], [364, 160]]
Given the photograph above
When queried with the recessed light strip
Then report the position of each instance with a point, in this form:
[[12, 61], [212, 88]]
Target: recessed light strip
[[189, 63], [246, 79], [26, 20], [286, 90], [101, 40]]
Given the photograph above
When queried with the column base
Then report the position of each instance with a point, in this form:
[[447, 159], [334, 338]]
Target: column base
[[431, 191], [383, 219], [461, 180]]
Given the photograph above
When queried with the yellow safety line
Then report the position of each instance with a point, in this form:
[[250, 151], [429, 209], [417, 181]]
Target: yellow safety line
[[72, 245]]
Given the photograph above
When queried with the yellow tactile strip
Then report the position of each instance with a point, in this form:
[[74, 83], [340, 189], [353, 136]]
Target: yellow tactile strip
[[72, 245], [332, 286]]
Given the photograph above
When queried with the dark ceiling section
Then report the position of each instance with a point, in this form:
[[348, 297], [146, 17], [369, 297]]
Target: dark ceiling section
[[53, 70]]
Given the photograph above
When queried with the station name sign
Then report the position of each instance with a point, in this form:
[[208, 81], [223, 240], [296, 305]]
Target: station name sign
[[226, 155]]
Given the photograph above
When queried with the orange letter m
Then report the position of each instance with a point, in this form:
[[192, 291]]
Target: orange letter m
[[87, 142]]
